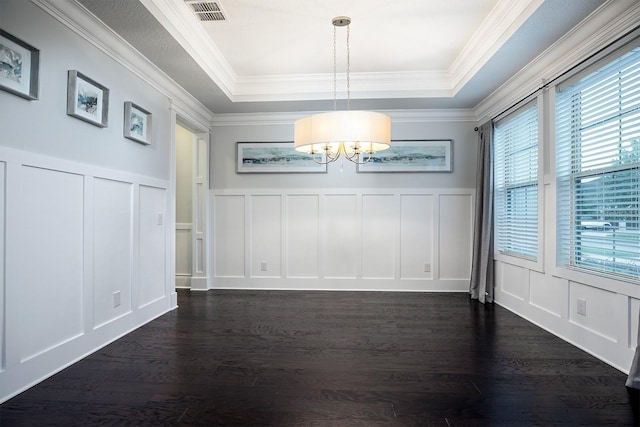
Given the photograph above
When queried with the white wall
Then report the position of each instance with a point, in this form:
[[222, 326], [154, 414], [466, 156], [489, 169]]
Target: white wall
[[343, 229], [86, 225], [546, 294]]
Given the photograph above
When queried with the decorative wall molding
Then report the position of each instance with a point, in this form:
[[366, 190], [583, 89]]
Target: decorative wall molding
[[503, 21], [57, 224], [186, 29], [500, 24], [345, 239], [611, 21], [397, 116]]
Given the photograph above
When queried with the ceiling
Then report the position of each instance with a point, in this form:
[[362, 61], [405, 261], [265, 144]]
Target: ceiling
[[277, 55]]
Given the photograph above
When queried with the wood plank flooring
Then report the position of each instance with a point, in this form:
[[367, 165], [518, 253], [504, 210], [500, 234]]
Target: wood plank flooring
[[298, 358]]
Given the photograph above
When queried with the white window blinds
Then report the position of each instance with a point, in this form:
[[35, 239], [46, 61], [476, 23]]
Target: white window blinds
[[598, 169], [516, 183]]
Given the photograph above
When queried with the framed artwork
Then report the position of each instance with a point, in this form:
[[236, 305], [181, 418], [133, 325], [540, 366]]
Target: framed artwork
[[19, 66], [412, 156], [137, 123], [274, 157], [87, 99]]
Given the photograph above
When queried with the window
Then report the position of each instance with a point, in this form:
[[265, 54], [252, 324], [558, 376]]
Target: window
[[516, 183], [598, 169]]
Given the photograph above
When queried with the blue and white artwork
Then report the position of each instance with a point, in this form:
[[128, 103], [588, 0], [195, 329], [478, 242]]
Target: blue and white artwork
[[87, 101], [16, 62], [278, 157], [10, 64], [137, 124], [410, 156]]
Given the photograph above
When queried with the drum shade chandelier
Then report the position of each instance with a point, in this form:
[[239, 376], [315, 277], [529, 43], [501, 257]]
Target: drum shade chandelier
[[327, 136]]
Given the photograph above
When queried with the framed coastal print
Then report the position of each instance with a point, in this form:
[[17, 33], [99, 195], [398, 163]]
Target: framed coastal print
[[87, 99], [412, 156], [19, 66], [274, 157], [137, 123]]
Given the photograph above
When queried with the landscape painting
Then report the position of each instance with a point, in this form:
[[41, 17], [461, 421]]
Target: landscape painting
[[137, 123], [18, 67], [411, 156], [87, 99], [274, 157]]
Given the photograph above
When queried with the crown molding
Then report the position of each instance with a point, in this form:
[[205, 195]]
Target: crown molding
[[298, 87], [504, 19], [397, 116], [78, 19], [609, 22], [501, 23], [176, 18]]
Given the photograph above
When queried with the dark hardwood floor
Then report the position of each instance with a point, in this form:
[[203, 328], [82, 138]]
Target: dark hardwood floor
[[259, 358]]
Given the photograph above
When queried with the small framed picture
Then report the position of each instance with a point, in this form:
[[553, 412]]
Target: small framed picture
[[411, 156], [274, 157], [87, 99], [19, 66], [137, 123]]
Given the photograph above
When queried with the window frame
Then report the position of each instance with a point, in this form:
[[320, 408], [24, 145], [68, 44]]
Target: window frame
[[571, 270], [536, 264]]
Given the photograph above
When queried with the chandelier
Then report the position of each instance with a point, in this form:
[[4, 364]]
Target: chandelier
[[356, 135]]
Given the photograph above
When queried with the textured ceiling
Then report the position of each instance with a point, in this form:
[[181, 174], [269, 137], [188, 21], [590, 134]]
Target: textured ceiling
[[291, 41]]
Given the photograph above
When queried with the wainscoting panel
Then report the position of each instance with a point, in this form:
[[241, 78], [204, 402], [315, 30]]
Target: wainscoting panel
[[455, 227], [379, 231], [303, 236], [183, 247], [360, 239], [515, 281], [600, 305], [152, 203], [341, 233], [112, 249], [634, 320], [85, 256], [266, 234], [229, 235], [416, 236], [49, 250], [547, 293]]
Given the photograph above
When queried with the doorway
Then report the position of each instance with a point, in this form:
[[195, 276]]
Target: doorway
[[192, 177]]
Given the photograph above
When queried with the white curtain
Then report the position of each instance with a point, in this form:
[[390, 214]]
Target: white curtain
[[481, 284], [634, 373]]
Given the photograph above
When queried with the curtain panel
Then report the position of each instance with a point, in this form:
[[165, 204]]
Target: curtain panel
[[482, 276]]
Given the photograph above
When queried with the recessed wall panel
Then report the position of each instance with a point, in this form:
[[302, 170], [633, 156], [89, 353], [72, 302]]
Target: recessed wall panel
[[266, 236], [229, 236], [455, 219], [112, 248], [416, 236], [379, 223], [152, 249], [547, 293], [599, 306], [515, 281], [341, 236], [50, 250], [303, 236], [634, 318], [184, 263]]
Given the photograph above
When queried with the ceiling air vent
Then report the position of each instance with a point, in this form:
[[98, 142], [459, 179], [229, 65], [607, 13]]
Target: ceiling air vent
[[207, 10]]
